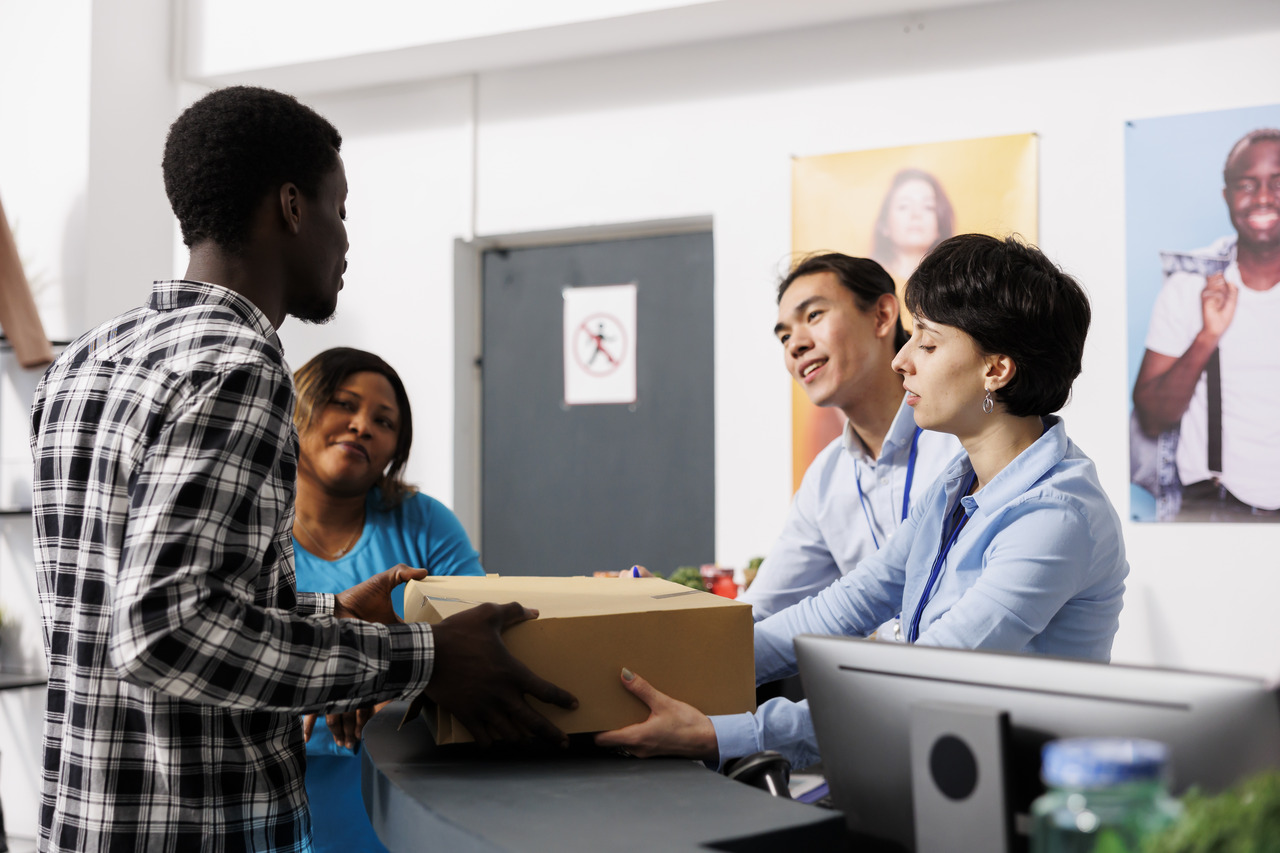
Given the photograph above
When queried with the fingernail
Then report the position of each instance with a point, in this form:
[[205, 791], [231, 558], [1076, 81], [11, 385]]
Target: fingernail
[[628, 675], [635, 571]]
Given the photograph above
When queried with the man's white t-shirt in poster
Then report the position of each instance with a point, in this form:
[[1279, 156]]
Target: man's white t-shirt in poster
[[1249, 355]]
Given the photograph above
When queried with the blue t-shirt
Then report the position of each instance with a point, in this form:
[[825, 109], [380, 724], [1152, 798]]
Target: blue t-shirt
[[423, 533]]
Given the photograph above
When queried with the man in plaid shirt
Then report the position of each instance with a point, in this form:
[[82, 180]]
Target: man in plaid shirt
[[180, 652]]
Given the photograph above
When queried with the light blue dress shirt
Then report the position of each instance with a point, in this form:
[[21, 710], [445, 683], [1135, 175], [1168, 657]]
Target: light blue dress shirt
[[827, 531], [1038, 567]]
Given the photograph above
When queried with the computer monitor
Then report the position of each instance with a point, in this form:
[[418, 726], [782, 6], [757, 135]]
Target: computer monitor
[[924, 748]]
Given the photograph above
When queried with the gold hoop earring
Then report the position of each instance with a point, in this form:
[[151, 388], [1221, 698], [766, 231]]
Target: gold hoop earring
[[988, 404]]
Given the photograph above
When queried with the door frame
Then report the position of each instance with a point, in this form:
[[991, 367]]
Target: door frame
[[468, 342]]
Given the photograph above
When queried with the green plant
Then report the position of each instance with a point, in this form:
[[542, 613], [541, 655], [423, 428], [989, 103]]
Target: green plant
[[690, 576], [1243, 819]]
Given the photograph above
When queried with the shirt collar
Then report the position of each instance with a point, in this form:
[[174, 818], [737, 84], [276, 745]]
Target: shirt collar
[[170, 295], [1019, 475], [898, 437]]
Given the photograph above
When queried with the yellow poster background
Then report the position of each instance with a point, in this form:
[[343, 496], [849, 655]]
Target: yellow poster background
[[836, 200]]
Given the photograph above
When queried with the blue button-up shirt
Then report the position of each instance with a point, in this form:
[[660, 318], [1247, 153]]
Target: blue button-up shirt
[[1039, 567], [830, 529]]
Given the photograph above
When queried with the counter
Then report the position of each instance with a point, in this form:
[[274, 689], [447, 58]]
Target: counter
[[462, 798]]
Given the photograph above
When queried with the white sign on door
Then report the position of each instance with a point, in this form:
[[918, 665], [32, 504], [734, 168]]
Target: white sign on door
[[600, 344]]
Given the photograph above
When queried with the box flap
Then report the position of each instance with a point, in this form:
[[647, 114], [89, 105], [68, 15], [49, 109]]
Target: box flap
[[554, 597]]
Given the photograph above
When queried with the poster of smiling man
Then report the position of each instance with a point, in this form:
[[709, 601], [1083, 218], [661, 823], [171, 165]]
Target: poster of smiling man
[[1202, 203], [893, 205]]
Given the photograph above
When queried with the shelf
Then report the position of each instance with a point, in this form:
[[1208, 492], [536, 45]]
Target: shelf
[[6, 346], [17, 510], [10, 680]]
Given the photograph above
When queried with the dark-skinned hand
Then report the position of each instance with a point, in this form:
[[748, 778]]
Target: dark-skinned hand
[[371, 600], [347, 727], [479, 681]]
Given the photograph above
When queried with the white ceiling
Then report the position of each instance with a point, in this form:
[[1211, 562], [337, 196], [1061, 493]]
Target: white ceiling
[[308, 46]]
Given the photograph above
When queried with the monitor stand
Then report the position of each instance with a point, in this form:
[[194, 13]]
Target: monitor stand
[[959, 770]]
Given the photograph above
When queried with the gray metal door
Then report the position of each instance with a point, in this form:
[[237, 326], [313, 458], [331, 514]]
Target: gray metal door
[[568, 490]]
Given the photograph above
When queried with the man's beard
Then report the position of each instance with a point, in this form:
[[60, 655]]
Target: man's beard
[[315, 313]]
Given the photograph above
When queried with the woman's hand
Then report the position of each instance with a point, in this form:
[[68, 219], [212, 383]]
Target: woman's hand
[[673, 727], [346, 726], [636, 572], [370, 600]]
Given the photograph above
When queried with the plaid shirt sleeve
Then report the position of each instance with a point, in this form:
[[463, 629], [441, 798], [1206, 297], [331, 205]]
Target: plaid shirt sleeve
[[190, 617]]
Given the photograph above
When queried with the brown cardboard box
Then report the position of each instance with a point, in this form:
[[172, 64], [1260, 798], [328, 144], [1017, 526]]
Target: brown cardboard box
[[694, 646]]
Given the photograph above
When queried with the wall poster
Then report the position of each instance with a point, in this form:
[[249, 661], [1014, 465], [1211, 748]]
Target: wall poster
[[600, 344], [893, 205], [1202, 215]]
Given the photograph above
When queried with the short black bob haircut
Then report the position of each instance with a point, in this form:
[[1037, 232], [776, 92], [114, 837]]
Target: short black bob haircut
[[232, 147], [1012, 300], [866, 278], [318, 380]]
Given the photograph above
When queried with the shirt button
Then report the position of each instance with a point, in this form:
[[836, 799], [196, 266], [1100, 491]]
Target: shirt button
[[884, 481]]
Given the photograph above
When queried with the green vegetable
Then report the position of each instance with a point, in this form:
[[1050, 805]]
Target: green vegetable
[[690, 576], [1243, 819]]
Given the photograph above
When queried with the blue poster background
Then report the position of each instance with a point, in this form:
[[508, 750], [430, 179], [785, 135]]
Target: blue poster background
[[1173, 201]]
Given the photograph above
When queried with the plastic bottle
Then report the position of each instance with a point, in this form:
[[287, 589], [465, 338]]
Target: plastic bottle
[[1105, 794]]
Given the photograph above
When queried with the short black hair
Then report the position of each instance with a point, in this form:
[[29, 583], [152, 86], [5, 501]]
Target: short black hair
[[232, 147], [866, 278], [318, 380], [1012, 300], [1262, 134]]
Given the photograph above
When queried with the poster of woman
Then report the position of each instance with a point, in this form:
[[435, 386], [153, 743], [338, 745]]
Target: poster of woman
[[894, 205], [1202, 212]]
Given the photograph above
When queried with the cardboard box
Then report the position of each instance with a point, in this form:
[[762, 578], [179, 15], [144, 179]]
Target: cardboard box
[[694, 646]]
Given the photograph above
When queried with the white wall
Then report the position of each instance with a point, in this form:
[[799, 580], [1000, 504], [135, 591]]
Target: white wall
[[133, 99], [44, 161], [407, 152], [44, 139]]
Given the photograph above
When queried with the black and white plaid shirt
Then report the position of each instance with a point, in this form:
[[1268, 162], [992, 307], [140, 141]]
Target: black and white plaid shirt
[[180, 651]]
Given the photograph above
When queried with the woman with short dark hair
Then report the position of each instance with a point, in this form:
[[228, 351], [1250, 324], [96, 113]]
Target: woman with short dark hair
[[1015, 547]]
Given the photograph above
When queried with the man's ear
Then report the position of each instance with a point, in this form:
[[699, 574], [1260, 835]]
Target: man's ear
[[886, 312], [291, 207], [1000, 371]]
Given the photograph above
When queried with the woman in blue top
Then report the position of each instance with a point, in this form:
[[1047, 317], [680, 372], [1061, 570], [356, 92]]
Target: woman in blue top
[[355, 518], [1015, 547]]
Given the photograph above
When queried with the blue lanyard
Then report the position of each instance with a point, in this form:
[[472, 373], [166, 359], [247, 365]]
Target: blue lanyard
[[948, 539], [906, 492]]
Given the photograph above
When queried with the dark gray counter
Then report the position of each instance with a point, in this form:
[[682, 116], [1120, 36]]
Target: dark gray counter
[[422, 797]]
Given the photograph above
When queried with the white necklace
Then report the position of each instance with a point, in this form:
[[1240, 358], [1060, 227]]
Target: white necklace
[[315, 541]]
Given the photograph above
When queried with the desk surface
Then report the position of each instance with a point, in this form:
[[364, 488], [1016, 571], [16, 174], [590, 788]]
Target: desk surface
[[460, 798]]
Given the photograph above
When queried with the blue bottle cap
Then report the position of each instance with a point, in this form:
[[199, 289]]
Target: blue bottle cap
[[1095, 762]]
